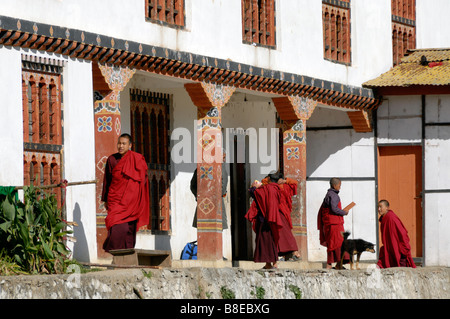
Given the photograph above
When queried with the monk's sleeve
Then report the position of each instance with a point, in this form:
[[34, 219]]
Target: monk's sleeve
[[334, 205], [292, 185]]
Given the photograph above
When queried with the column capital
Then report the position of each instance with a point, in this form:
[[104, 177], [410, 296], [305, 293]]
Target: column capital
[[208, 95], [116, 77], [294, 107]]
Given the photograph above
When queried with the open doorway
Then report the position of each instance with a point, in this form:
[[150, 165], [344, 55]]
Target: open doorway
[[241, 229]]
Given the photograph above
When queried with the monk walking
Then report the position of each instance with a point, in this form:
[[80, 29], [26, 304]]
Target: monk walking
[[396, 250], [330, 223], [126, 196]]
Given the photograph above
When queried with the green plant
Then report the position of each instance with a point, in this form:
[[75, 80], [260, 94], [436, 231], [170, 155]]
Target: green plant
[[259, 292], [8, 266], [296, 291], [227, 293], [33, 232], [148, 274]]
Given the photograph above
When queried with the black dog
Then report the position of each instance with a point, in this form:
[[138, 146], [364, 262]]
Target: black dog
[[353, 247]]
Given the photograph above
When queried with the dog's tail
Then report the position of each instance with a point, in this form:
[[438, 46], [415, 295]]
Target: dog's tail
[[345, 234]]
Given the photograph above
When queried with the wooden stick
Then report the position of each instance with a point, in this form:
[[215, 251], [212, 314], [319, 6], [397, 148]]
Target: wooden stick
[[59, 185]]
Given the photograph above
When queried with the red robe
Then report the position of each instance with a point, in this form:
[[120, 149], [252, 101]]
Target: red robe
[[396, 250], [287, 242], [330, 227], [128, 194], [266, 206]]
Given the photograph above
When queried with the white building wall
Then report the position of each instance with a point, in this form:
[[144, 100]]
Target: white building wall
[[437, 181], [11, 126], [431, 25], [348, 155], [79, 156]]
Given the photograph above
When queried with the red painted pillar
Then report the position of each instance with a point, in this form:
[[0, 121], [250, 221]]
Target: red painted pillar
[[294, 111], [209, 99], [110, 81]]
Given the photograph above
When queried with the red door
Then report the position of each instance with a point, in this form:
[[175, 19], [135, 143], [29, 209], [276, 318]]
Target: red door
[[400, 183]]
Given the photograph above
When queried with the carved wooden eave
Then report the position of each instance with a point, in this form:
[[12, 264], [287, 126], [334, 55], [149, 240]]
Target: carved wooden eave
[[108, 50]]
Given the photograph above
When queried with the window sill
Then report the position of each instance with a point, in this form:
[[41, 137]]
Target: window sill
[[260, 45], [338, 62], [166, 24]]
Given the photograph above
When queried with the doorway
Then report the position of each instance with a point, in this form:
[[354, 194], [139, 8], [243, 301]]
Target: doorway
[[400, 183], [241, 229]]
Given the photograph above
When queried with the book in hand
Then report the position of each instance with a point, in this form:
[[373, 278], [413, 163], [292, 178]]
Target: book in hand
[[349, 206]]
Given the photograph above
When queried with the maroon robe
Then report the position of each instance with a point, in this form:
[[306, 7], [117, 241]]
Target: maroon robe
[[127, 197], [396, 250], [331, 227], [287, 242], [265, 218]]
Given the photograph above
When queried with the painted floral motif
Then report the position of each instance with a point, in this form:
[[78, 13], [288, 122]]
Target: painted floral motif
[[206, 172], [293, 152], [104, 124]]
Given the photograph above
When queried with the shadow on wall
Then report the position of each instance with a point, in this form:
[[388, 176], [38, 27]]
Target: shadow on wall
[[80, 248]]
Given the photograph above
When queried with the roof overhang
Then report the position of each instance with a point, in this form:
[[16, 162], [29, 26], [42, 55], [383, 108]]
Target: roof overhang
[[193, 67]]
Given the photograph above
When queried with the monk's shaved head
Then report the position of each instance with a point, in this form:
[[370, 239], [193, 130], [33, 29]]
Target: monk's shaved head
[[384, 202], [334, 182]]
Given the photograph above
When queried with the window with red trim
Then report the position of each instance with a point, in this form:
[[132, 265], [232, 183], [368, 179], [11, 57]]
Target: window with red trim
[[258, 22], [336, 30], [403, 28], [166, 12]]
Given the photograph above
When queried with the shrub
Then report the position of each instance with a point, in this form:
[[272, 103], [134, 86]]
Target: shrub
[[33, 232]]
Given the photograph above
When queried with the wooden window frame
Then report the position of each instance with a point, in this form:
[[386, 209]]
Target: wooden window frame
[[169, 13], [337, 31], [42, 126], [258, 23], [150, 125], [403, 14]]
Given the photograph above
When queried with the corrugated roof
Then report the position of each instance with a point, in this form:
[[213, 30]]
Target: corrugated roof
[[419, 67]]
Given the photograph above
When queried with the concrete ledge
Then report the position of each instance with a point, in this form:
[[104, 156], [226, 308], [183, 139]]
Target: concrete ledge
[[194, 283]]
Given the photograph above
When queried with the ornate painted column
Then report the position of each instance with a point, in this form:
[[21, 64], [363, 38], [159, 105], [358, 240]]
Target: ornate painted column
[[107, 88], [209, 99], [294, 111]]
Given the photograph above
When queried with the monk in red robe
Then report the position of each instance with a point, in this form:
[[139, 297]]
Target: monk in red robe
[[126, 196], [330, 223], [287, 245], [265, 218], [396, 250]]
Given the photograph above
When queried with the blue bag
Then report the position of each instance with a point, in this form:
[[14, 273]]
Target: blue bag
[[189, 251]]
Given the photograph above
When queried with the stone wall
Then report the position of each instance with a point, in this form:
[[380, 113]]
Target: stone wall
[[197, 283]]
